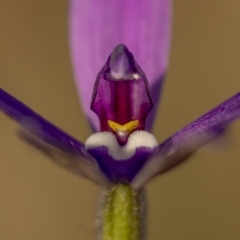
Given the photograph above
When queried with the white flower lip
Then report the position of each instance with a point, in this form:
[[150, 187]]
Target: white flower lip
[[136, 139]]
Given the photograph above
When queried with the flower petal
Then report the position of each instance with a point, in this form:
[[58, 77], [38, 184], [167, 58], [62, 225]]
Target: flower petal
[[121, 163], [182, 144], [37, 125], [58, 145], [96, 27], [81, 166]]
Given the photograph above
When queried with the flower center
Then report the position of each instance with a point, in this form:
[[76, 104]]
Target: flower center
[[124, 129], [121, 97]]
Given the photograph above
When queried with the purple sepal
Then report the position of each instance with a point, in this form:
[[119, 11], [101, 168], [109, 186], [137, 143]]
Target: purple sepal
[[121, 91], [96, 27], [121, 170], [38, 126], [211, 125]]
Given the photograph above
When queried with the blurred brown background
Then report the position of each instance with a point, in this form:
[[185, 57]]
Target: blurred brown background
[[199, 200]]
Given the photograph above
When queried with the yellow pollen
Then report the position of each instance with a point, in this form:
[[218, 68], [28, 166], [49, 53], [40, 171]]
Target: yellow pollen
[[125, 128]]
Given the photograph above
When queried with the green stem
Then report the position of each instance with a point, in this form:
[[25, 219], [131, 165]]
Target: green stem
[[121, 213]]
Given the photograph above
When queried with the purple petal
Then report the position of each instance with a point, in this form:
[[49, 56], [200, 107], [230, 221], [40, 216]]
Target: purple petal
[[122, 170], [55, 143], [182, 144], [121, 94], [96, 27], [121, 163], [83, 166], [38, 126]]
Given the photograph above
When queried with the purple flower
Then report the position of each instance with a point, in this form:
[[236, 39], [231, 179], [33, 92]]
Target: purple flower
[[121, 104]]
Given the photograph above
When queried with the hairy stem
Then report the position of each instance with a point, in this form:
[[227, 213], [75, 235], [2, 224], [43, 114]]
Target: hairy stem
[[121, 213]]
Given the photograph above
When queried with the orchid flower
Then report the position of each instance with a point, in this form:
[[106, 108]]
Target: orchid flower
[[120, 102]]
